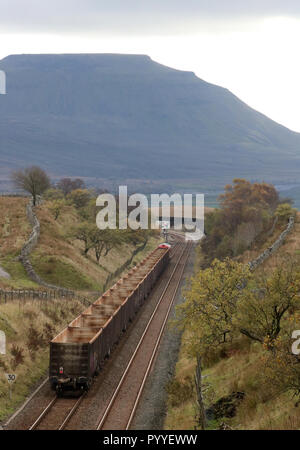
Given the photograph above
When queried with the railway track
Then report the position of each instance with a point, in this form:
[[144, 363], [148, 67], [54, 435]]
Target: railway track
[[177, 235], [59, 411], [121, 409]]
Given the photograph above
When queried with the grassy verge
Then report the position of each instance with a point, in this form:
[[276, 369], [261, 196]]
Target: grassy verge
[[237, 370], [62, 273], [29, 327], [181, 404], [239, 367]]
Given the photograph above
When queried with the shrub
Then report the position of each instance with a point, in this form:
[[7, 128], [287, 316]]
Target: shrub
[[53, 194], [35, 339], [48, 331], [180, 392], [17, 356], [245, 212], [284, 211], [79, 197]]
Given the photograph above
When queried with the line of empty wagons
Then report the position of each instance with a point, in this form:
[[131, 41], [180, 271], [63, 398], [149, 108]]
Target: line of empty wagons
[[79, 351]]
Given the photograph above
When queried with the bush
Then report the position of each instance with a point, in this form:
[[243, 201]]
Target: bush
[[53, 194], [79, 198], [17, 356], [284, 211], [35, 339], [48, 331], [180, 392], [245, 212]]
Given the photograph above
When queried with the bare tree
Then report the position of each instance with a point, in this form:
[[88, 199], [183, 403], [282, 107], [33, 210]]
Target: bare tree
[[32, 179], [67, 185]]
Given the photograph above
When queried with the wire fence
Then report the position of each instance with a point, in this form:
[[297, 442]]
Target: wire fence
[[27, 295], [14, 194]]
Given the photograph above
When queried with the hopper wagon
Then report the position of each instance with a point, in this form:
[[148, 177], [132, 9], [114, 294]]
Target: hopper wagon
[[79, 351]]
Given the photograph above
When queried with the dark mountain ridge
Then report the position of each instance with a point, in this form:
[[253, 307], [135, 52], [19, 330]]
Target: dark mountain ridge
[[126, 117]]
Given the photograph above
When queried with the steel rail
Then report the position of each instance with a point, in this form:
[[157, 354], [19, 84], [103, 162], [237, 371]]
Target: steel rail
[[46, 410], [72, 411], [114, 396], [157, 343], [50, 406], [43, 414]]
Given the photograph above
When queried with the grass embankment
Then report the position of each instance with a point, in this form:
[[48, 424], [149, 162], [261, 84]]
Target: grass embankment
[[58, 259], [239, 367], [28, 327]]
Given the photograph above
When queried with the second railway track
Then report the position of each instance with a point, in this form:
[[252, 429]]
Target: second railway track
[[120, 410], [57, 413]]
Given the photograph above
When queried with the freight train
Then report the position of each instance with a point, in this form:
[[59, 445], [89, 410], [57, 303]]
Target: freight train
[[79, 351]]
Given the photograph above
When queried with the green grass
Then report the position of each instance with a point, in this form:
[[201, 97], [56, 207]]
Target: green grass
[[19, 278], [16, 320], [57, 259], [22, 386], [5, 326], [56, 271]]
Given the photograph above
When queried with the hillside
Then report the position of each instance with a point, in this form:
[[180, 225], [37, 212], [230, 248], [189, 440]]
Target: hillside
[[239, 367], [58, 259], [29, 323], [125, 118]]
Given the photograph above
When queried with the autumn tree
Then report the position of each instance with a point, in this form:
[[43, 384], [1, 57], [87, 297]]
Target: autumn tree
[[67, 185], [263, 308], [136, 237], [84, 233], [56, 207], [246, 210], [103, 241], [79, 197], [33, 180], [282, 365], [89, 211], [53, 194], [240, 197], [284, 211], [210, 305]]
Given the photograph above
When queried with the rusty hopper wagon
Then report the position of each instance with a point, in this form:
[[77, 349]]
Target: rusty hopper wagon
[[78, 352]]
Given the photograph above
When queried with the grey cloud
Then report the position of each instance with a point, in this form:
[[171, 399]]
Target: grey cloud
[[132, 16]]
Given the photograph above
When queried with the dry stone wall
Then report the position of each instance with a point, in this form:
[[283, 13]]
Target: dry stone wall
[[35, 234], [30, 245], [270, 250]]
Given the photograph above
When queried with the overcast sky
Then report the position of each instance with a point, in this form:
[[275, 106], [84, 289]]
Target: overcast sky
[[250, 46]]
